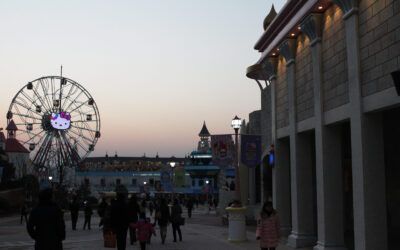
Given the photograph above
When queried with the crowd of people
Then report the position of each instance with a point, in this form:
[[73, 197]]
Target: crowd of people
[[125, 216]]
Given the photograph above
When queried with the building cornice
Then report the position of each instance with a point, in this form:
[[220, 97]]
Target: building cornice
[[287, 25], [289, 10]]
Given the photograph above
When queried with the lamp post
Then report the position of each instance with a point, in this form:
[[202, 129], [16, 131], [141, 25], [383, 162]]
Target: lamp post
[[51, 181], [172, 165], [236, 124], [237, 213]]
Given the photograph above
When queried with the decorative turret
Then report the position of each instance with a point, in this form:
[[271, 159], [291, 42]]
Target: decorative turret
[[204, 143], [11, 130], [270, 17], [204, 131], [2, 140]]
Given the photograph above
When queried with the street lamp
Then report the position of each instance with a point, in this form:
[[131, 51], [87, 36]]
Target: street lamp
[[172, 165], [236, 212], [236, 124], [144, 183], [50, 178]]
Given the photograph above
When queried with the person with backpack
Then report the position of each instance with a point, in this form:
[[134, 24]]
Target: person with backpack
[[144, 230]]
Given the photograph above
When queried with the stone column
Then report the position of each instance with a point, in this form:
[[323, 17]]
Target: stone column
[[328, 152], [281, 196], [369, 199], [303, 231], [281, 170]]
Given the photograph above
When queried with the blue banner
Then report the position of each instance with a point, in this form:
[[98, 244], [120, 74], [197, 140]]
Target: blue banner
[[250, 150], [165, 180]]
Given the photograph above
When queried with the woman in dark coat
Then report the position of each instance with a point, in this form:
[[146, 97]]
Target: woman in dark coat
[[46, 223], [176, 219], [163, 218]]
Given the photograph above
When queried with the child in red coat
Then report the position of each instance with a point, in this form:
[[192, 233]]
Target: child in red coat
[[144, 229]]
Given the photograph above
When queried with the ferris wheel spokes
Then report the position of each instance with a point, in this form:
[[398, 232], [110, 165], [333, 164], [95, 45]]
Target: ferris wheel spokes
[[57, 119]]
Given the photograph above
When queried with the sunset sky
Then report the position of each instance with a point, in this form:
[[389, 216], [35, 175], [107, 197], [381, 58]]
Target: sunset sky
[[157, 69]]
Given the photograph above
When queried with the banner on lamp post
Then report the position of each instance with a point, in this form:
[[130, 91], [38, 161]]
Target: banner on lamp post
[[250, 150], [179, 178], [165, 180], [223, 150]]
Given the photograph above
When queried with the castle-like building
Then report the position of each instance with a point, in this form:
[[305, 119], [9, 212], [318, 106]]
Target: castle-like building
[[192, 174], [17, 154]]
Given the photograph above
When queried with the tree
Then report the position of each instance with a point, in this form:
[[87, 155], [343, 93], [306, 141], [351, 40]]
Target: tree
[[8, 168], [31, 186]]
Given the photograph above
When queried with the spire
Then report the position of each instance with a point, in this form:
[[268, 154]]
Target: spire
[[11, 129], [204, 131], [270, 17]]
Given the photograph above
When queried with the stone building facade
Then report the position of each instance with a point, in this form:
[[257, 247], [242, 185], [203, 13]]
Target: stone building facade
[[334, 118]]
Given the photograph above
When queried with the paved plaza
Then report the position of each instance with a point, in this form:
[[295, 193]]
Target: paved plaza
[[203, 231]]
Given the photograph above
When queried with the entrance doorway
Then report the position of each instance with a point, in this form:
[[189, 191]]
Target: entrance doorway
[[347, 186], [391, 134]]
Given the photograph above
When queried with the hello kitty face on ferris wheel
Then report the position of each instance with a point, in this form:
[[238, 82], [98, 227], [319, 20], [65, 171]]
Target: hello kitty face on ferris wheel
[[60, 121]]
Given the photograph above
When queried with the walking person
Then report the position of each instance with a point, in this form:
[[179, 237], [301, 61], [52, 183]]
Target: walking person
[[46, 223], [143, 206], [144, 230], [101, 210], [176, 219], [88, 215], [74, 210], [189, 206], [133, 216], [163, 217], [119, 219], [151, 207], [24, 212], [268, 227]]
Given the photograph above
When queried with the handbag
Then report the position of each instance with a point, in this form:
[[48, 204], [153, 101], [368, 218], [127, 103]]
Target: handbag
[[110, 239]]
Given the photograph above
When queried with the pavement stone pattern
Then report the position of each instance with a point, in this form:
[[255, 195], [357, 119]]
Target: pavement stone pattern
[[203, 231]]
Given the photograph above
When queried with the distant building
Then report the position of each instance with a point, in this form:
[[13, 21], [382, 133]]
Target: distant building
[[191, 175], [138, 174]]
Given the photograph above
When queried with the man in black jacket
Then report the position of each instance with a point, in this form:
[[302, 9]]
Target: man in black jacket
[[120, 220], [46, 223], [74, 208]]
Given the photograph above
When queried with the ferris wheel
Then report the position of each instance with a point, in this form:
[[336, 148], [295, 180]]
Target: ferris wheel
[[57, 120]]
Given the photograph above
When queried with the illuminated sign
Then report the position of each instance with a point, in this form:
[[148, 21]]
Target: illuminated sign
[[271, 158], [60, 121]]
